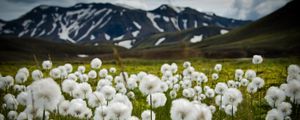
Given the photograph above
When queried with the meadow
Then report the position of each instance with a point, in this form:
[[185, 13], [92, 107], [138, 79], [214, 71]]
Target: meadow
[[273, 71]]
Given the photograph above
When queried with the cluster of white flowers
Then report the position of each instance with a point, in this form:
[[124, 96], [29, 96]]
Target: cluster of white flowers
[[102, 93]]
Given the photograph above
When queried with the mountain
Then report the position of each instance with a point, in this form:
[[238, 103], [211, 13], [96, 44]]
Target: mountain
[[95, 23], [277, 34]]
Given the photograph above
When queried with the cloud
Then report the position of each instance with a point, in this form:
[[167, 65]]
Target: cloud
[[254, 9], [239, 9]]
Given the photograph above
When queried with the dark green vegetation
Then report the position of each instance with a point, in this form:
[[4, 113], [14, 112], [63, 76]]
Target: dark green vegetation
[[273, 71]]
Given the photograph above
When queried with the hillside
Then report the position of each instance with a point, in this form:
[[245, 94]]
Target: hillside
[[277, 34]]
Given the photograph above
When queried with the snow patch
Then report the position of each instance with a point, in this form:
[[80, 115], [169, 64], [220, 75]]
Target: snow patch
[[82, 55], [223, 31], [135, 33], [92, 37], [175, 23], [125, 43], [106, 36], [207, 17], [184, 23], [137, 25], [96, 44], [167, 19], [177, 9], [119, 38], [196, 38], [151, 16], [195, 24], [159, 41], [204, 24]]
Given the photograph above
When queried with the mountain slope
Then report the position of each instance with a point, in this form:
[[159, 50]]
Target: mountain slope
[[97, 22], [274, 35]]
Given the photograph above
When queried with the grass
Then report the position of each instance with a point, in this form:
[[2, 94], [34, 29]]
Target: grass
[[273, 71]]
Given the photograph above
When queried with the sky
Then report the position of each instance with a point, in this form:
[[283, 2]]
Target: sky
[[238, 9]]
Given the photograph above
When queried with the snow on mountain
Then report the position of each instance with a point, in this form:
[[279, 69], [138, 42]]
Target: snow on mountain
[[84, 22]]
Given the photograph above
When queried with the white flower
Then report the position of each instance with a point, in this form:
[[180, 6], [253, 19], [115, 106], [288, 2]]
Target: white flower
[[210, 93], [12, 115], [250, 74], [131, 95], [37, 75], [251, 88], [239, 74], [96, 99], [119, 111], [146, 115], [47, 65], [202, 112], [285, 108], [103, 82], [173, 94], [293, 90], [164, 68], [244, 82], [103, 73], [11, 102], [81, 69], [84, 78], [274, 96], [149, 84], [182, 109], [96, 63], [259, 82], [113, 70], [274, 114], [22, 98], [72, 77], [45, 93], [218, 67], [174, 67], [21, 77], [69, 86], [293, 69], [233, 96], [158, 99], [231, 83], [215, 76], [64, 107], [257, 59], [221, 88], [189, 92], [230, 110], [77, 108], [101, 113], [55, 73], [92, 74], [122, 99], [69, 67], [85, 88], [198, 90], [6, 82], [186, 64], [108, 92], [22, 116]]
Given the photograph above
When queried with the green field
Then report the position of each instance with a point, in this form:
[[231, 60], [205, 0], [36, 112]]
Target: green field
[[272, 70]]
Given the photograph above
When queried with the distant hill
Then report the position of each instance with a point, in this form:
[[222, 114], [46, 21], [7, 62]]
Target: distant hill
[[277, 34]]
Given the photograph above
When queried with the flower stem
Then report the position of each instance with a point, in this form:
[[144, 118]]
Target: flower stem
[[151, 106]]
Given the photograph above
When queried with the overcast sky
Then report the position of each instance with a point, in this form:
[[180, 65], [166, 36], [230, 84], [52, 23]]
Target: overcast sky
[[238, 9]]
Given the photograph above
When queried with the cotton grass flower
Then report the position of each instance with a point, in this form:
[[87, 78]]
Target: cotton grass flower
[[257, 59], [6, 82], [21, 77], [96, 63], [148, 115], [92, 74], [108, 92], [158, 99], [250, 74], [149, 84], [215, 76], [293, 90], [251, 88], [63, 107], [203, 112], [239, 74], [218, 67], [182, 109], [221, 88], [244, 82], [47, 65], [11, 102], [259, 82], [274, 114], [103, 73], [45, 93], [55, 73], [22, 116], [69, 86], [37, 75], [118, 111], [81, 69], [96, 99], [12, 115], [274, 96], [285, 108], [69, 67], [233, 96], [230, 110], [22, 98]]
